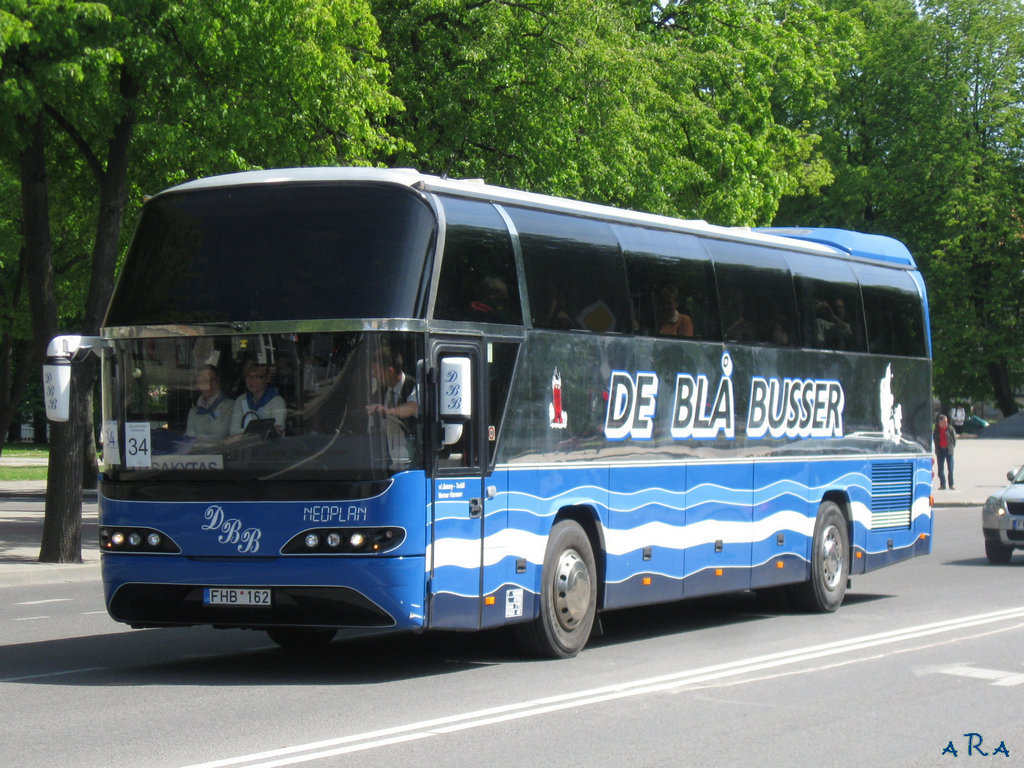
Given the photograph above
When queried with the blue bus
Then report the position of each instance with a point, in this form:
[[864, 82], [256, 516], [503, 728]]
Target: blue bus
[[364, 400]]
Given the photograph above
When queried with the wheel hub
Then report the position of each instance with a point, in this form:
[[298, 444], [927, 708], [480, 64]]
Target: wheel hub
[[832, 558], [572, 589]]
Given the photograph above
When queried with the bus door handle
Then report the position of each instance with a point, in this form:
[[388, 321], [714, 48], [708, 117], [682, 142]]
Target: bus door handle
[[476, 506]]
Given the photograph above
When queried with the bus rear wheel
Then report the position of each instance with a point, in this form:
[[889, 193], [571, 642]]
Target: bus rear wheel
[[568, 595], [830, 563]]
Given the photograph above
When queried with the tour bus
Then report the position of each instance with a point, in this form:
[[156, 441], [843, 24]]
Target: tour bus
[[598, 409]]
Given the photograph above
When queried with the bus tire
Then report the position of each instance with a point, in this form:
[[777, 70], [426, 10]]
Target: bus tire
[[301, 639], [830, 563], [568, 595]]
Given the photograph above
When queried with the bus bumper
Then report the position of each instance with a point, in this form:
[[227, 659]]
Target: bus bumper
[[152, 591]]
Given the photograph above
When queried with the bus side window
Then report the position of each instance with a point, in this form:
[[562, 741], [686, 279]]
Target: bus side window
[[574, 272], [830, 315], [892, 309], [671, 284], [478, 280], [756, 294]]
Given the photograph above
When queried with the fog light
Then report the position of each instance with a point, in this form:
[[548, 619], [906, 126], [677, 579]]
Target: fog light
[[154, 540], [134, 538], [357, 539], [312, 540], [333, 539]]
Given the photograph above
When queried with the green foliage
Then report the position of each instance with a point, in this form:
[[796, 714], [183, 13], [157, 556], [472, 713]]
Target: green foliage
[[674, 113], [926, 143]]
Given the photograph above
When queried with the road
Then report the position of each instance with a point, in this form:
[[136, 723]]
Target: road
[[923, 657]]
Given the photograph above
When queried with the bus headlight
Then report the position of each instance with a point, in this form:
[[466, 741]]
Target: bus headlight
[[136, 541], [345, 541]]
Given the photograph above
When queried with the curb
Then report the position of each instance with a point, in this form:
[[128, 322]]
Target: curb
[[32, 573]]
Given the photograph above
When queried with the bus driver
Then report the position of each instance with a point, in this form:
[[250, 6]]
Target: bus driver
[[260, 401]]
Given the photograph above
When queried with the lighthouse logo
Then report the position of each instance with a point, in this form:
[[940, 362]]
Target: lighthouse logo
[[892, 412], [556, 416]]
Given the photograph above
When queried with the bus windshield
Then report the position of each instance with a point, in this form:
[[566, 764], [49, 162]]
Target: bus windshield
[[289, 406], [276, 252]]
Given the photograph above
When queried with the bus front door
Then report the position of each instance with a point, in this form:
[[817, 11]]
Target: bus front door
[[458, 486]]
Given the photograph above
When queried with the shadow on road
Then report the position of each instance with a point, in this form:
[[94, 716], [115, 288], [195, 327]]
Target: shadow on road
[[202, 656]]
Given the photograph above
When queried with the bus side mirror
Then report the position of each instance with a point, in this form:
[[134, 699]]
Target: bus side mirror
[[456, 389], [61, 353]]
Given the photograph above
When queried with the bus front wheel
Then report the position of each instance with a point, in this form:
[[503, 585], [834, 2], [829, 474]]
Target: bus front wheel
[[830, 563], [568, 595]]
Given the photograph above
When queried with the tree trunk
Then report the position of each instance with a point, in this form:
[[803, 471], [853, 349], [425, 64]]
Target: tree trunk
[[62, 528], [999, 374]]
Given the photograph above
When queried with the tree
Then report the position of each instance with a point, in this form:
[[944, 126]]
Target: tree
[[926, 145], [108, 97], [670, 112], [978, 248]]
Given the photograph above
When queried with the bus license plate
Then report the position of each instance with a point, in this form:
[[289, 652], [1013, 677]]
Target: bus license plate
[[236, 596]]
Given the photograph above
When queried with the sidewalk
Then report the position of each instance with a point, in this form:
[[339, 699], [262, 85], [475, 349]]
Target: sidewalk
[[980, 468]]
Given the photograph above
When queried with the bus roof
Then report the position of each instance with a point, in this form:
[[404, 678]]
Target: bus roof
[[824, 241], [876, 247]]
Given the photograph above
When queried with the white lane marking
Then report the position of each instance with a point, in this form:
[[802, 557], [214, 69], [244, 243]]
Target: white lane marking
[[29, 618], [50, 674], [43, 602], [997, 676], [444, 725]]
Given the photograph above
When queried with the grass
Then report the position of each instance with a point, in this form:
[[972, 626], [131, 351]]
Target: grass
[[9, 474], [24, 451]]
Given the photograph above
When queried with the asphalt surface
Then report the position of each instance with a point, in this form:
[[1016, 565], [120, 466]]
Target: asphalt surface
[[980, 467]]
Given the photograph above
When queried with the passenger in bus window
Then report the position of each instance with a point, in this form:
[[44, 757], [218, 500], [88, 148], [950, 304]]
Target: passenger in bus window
[[260, 403], [558, 311], [491, 307], [832, 330], [397, 407], [782, 332], [739, 326], [671, 322], [211, 415]]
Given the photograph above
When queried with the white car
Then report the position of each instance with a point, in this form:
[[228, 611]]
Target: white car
[[1002, 519]]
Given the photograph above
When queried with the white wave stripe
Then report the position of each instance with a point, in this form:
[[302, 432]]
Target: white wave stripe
[[860, 513], [921, 508], [510, 542], [465, 553], [850, 480]]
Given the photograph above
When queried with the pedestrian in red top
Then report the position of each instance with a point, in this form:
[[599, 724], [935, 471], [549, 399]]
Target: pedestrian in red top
[[944, 439]]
